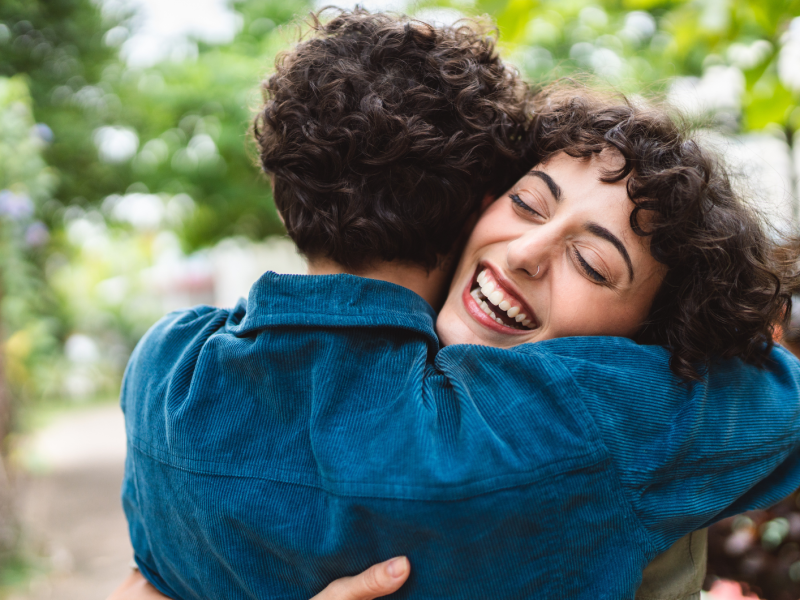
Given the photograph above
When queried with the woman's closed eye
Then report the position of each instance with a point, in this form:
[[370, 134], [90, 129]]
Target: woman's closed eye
[[519, 202], [587, 268]]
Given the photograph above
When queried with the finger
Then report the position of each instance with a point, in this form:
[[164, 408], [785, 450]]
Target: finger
[[379, 580], [136, 587]]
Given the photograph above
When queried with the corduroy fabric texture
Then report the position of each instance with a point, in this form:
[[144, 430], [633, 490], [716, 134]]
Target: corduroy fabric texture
[[317, 429]]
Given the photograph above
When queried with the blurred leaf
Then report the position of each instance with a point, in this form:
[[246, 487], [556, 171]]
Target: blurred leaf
[[769, 102]]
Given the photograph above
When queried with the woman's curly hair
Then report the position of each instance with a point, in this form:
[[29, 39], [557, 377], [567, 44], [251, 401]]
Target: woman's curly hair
[[382, 134], [728, 284]]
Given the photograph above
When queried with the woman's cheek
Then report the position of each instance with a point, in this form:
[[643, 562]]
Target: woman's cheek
[[586, 314]]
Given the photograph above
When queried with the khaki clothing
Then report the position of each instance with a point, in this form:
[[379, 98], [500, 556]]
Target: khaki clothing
[[678, 573]]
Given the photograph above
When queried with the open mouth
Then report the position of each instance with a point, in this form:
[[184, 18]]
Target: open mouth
[[498, 304]]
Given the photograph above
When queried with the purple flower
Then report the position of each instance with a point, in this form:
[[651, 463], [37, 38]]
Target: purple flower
[[43, 132], [37, 235], [15, 206]]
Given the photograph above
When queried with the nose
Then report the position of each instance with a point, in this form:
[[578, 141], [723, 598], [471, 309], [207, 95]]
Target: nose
[[530, 254]]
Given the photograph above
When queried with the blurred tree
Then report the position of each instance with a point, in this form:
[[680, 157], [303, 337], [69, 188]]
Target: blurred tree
[[747, 52], [187, 120], [25, 182], [59, 46], [53, 50], [192, 118], [44, 45]]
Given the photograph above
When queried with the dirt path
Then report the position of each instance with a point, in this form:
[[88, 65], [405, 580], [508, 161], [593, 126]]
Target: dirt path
[[70, 507]]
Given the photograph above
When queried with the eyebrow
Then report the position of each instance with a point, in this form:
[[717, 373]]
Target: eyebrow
[[604, 233], [554, 189]]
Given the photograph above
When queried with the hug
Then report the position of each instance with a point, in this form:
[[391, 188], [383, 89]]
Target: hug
[[600, 379]]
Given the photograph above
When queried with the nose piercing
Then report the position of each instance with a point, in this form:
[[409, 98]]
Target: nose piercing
[[537, 272]]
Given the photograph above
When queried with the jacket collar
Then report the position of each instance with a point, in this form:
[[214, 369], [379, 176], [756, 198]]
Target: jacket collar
[[334, 301]]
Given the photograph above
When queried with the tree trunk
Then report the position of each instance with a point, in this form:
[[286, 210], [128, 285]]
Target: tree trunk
[[8, 522]]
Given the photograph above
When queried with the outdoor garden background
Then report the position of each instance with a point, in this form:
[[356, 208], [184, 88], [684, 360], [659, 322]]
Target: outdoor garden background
[[128, 188]]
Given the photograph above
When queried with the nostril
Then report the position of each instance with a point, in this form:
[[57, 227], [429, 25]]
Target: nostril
[[528, 273]]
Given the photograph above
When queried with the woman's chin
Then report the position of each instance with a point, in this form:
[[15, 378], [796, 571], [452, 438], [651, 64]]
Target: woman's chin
[[451, 329]]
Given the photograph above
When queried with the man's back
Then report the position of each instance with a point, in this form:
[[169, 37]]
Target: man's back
[[277, 447]]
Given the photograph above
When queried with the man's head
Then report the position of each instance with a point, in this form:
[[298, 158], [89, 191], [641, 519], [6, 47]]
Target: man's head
[[382, 135]]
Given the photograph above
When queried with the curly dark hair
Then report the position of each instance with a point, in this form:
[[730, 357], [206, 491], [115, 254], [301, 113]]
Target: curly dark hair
[[382, 134], [728, 284]]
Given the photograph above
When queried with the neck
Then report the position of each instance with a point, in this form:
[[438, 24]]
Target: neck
[[431, 285]]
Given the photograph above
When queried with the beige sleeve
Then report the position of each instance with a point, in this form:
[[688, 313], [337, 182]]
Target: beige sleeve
[[677, 573]]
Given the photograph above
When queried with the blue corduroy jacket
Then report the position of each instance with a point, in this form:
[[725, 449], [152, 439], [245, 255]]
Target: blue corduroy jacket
[[318, 428]]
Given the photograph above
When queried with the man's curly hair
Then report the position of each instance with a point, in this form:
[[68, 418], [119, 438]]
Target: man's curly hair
[[382, 134], [728, 283]]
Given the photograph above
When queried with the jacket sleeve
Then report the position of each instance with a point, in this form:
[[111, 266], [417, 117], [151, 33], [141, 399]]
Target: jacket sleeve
[[689, 454], [148, 370]]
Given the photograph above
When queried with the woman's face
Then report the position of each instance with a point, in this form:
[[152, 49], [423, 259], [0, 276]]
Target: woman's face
[[553, 257]]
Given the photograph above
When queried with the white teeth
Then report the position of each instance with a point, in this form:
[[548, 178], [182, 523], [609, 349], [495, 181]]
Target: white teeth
[[488, 292], [496, 297], [485, 307]]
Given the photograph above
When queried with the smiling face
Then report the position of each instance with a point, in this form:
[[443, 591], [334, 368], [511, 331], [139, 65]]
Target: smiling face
[[554, 257]]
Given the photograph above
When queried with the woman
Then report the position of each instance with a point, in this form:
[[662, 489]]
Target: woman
[[678, 260], [627, 228]]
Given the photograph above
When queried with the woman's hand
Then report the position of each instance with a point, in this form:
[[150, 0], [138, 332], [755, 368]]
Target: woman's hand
[[136, 587], [379, 580]]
